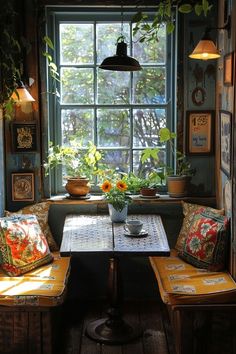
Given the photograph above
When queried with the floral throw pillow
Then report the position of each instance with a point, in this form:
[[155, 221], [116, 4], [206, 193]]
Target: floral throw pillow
[[23, 246], [41, 212], [206, 243], [189, 211]]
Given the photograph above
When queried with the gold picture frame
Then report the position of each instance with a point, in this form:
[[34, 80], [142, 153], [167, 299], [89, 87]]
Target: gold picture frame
[[199, 132], [24, 136], [23, 187], [228, 69]]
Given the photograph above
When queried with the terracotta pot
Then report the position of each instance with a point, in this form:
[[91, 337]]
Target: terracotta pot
[[149, 192], [77, 186], [178, 186]]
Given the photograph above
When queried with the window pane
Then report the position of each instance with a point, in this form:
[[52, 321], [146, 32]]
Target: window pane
[[117, 159], [151, 52], [113, 87], [78, 124], [113, 127], [76, 42], [77, 85], [150, 86], [147, 123], [142, 169], [107, 35]]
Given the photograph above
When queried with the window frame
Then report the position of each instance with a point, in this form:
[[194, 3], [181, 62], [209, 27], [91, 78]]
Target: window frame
[[55, 16]]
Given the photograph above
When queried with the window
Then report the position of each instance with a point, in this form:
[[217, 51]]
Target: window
[[121, 112]]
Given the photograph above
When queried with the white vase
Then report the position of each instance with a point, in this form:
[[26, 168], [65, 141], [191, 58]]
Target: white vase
[[116, 215]]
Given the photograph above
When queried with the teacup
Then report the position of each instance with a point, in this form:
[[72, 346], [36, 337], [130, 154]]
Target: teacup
[[133, 226]]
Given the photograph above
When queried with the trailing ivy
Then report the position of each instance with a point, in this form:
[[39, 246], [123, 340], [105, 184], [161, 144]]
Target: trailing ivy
[[10, 58], [149, 31]]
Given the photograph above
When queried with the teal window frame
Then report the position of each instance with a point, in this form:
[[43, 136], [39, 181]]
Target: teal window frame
[[57, 15]]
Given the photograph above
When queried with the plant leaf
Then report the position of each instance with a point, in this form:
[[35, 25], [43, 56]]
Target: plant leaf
[[185, 8], [198, 9], [49, 42]]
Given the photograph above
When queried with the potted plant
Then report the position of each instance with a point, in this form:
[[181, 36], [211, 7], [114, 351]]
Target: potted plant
[[117, 198], [178, 178], [149, 188], [79, 165]]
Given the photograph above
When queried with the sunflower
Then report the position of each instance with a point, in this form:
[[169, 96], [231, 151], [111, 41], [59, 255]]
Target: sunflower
[[106, 186], [122, 186]]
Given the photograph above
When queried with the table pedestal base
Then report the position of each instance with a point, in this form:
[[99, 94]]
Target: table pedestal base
[[109, 331]]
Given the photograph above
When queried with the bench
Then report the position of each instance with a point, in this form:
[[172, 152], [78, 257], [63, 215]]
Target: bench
[[195, 298], [30, 303]]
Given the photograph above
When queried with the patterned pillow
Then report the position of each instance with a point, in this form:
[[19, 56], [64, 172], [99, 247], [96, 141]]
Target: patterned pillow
[[206, 243], [189, 211], [23, 246], [41, 212]]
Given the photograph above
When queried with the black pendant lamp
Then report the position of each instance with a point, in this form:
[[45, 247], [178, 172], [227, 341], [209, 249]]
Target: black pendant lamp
[[120, 61]]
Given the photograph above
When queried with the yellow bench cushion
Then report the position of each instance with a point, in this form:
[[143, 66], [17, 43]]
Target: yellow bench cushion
[[182, 283], [44, 286]]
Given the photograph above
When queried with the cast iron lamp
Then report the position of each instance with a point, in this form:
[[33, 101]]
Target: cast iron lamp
[[120, 61]]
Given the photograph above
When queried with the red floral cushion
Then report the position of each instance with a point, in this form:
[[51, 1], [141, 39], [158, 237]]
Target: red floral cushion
[[23, 246], [189, 211], [206, 243]]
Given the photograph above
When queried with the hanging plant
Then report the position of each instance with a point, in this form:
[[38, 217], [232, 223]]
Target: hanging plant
[[148, 31], [52, 67], [10, 58]]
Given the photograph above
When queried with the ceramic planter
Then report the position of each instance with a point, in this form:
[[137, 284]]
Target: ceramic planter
[[148, 192], [116, 215], [77, 187], [178, 186]]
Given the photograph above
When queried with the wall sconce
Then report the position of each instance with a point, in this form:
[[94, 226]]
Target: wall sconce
[[23, 95], [120, 61], [206, 48]]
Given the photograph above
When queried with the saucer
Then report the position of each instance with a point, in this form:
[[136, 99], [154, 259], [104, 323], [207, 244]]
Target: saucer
[[141, 234], [150, 196], [78, 197]]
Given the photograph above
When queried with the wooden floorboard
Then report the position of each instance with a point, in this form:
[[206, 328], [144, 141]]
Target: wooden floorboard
[[156, 338], [145, 314]]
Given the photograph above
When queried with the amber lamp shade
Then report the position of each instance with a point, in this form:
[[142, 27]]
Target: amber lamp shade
[[23, 94]]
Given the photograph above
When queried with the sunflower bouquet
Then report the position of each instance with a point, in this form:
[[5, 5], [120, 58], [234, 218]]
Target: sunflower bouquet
[[115, 193]]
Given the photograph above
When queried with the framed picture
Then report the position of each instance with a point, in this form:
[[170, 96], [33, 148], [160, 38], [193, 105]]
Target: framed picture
[[24, 136], [23, 187], [225, 141], [199, 132], [228, 69]]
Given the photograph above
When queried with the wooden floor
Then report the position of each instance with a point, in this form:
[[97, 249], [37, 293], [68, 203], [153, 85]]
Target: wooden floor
[[150, 315]]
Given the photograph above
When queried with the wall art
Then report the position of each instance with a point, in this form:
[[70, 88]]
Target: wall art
[[199, 132], [23, 187]]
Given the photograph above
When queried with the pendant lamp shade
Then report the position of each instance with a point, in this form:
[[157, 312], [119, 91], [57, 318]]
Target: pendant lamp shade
[[121, 61], [23, 94]]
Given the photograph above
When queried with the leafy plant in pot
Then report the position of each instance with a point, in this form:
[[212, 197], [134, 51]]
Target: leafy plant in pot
[[149, 188], [79, 165], [179, 177]]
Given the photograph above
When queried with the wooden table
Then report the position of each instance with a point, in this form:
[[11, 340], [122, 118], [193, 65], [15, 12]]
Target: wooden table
[[96, 233]]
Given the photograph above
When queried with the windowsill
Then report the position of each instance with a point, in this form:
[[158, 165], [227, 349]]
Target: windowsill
[[137, 199]]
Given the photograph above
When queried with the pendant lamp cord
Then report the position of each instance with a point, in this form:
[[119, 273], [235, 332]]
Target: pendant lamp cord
[[122, 21]]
